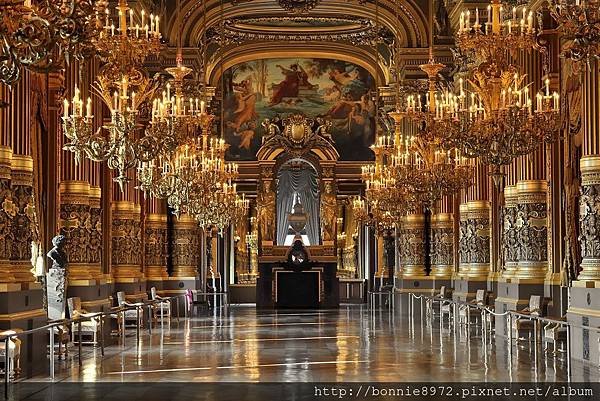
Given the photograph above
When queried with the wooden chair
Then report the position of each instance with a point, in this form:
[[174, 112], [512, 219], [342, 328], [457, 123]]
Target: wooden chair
[[128, 315], [464, 314], [555, 334], [14, 354], [523, 325], [89, 328], [160, 309], [191, 297]]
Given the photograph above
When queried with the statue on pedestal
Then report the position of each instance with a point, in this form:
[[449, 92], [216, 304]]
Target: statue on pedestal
[[266, 213], [56, 279], [328, 213]]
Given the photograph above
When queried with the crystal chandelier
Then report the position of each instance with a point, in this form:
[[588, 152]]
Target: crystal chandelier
[[124, 88], [496, 121], [385, 200], [429, 172], [124, 45], [420, 162], [579, 21], [195, 179], [42, 35]]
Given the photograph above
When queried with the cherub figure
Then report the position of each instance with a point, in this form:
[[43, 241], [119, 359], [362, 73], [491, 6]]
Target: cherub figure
[[271, 129], [324, 129]]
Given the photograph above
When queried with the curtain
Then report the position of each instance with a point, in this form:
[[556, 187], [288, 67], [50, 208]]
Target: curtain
[[303, 182]]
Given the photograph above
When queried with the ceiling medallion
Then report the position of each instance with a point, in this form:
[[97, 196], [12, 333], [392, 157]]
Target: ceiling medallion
[[298, 6]]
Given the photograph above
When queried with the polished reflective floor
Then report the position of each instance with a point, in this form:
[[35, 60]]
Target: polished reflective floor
[[349, 344]]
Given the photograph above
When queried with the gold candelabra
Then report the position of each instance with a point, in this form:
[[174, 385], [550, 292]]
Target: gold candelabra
[[124, 88], [495, 118], [386, 200], [120, 147], [126, 43], [419, 161], [579, 21]]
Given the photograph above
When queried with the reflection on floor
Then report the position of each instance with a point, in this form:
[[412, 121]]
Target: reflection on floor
[[350, 344]]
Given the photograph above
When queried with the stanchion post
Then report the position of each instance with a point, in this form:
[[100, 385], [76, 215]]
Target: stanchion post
[[150, 318], [79, 340], [51, 330], [102, 334], [122, 326], [6, 366], [568, 353], [137, 325]]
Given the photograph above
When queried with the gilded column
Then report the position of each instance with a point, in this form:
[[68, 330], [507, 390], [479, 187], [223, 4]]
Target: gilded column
[[94, 246], [478, 225], [532, 234], [589, 211], [126, 234], [156, 240], [510, 243], [75, 225], [464, 250], [185, 247], [7, 211], [442, 239], [21, 180], [80, 212], [477, 229], [411, 245]]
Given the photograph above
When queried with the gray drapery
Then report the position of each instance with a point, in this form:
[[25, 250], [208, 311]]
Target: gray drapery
[[303, 182]]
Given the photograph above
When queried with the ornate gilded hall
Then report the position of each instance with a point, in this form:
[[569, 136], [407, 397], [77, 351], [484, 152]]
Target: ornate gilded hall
[[301, 198]]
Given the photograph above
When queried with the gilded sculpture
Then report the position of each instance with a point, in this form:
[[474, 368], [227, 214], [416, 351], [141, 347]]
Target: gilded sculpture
[[328, 213], [266, 212]]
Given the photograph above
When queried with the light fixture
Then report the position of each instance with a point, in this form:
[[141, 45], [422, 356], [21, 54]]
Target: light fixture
[[124, 88], [494, 118], [43, 35], [579, 22]]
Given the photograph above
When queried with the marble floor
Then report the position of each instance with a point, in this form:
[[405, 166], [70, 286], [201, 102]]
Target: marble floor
[[346, 345]]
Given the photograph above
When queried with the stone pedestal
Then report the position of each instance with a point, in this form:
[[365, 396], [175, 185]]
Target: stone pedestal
[[585, 311], [513, 294]]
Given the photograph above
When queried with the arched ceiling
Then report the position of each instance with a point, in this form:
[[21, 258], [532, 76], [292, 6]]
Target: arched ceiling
[[225, 32]]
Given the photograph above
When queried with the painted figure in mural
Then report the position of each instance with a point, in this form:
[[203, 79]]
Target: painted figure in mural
[[335, 90], [324, 129], [245, 100], [328, 212], [266, 212], [295, 78]]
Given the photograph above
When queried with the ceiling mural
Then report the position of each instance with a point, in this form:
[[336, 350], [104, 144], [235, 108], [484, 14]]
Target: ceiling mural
[[275, 88]]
